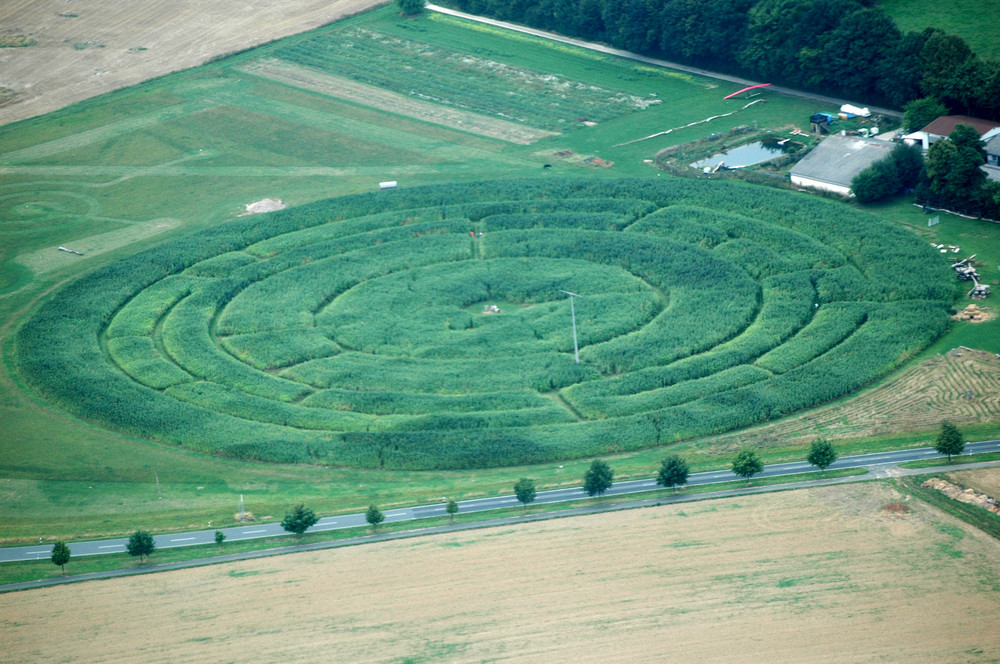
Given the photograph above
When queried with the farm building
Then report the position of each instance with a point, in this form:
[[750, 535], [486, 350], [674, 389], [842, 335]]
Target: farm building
[[833, 163], [946, 124], [992, 166]]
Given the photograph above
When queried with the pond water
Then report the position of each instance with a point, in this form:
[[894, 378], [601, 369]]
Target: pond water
[[744, 155]]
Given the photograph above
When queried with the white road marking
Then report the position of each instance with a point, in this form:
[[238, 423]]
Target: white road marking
[[183, 539], [251, 532], [111, 546]]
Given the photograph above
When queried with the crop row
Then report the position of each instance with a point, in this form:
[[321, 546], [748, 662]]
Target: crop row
[[467, 82]]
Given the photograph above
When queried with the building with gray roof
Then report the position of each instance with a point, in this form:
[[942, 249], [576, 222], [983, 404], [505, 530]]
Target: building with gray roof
[[832, 164]]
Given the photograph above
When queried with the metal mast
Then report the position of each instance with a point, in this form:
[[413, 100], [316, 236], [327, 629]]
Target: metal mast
[[572, 311]]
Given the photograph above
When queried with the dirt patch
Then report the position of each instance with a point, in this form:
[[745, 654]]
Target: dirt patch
[[804, 576], [386, 100], [102, 46], [896, 507]]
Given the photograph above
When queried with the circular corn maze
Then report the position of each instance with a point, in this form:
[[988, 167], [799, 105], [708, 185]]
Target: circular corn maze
[[433, 328]]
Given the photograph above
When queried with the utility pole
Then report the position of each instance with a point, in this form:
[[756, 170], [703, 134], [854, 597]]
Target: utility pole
[[572, 312]]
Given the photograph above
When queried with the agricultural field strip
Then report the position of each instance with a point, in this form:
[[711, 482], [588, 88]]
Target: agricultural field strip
[[102, 133], [45, 260], [385, 100], [460, 79], [372, 132], [221, 171]]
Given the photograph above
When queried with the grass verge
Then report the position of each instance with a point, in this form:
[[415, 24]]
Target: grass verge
[[988, 522], [17, 572], [971, 458]]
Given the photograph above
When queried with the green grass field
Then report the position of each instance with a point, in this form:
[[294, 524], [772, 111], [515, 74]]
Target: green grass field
[[127, 171], [975, 21]]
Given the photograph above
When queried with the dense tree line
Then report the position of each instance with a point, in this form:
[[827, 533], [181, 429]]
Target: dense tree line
[[847, 47]]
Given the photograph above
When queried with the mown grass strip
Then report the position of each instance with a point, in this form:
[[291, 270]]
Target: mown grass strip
[[959, 460]]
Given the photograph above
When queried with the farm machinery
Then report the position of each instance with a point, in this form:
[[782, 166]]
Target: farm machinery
[[966, 272]]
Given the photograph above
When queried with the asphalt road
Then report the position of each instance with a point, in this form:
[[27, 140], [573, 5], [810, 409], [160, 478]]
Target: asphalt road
[[253, 531]]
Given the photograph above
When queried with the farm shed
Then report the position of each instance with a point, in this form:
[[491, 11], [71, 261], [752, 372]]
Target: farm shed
[[992, 166], [993, 151], [833, 163], [946, 124]]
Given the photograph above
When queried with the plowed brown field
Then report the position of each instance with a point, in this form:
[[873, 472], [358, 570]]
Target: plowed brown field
[[825, 575], [89, 47]]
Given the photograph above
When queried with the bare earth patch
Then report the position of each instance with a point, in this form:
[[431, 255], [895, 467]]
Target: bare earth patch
[[91, 47], [807, 576], [386, 100]]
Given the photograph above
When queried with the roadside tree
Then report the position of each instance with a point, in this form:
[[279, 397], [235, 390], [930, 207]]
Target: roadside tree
[[452, 509], [60, 555], [673, 472], [220, 537], [747, 464], [821, 454], [141, 544], [950, 440], [374, 516], [299, 519], [598, 478], [524, 489]]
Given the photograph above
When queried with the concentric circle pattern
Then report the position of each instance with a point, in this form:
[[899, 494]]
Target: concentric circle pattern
[[434, 327]]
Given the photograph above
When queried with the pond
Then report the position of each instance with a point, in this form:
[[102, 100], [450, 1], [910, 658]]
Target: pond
[[744, 155]]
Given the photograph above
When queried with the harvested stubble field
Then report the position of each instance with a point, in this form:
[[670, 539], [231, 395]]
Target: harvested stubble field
[[807, 576], [962, 386], [985, 480], [90, 47]]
